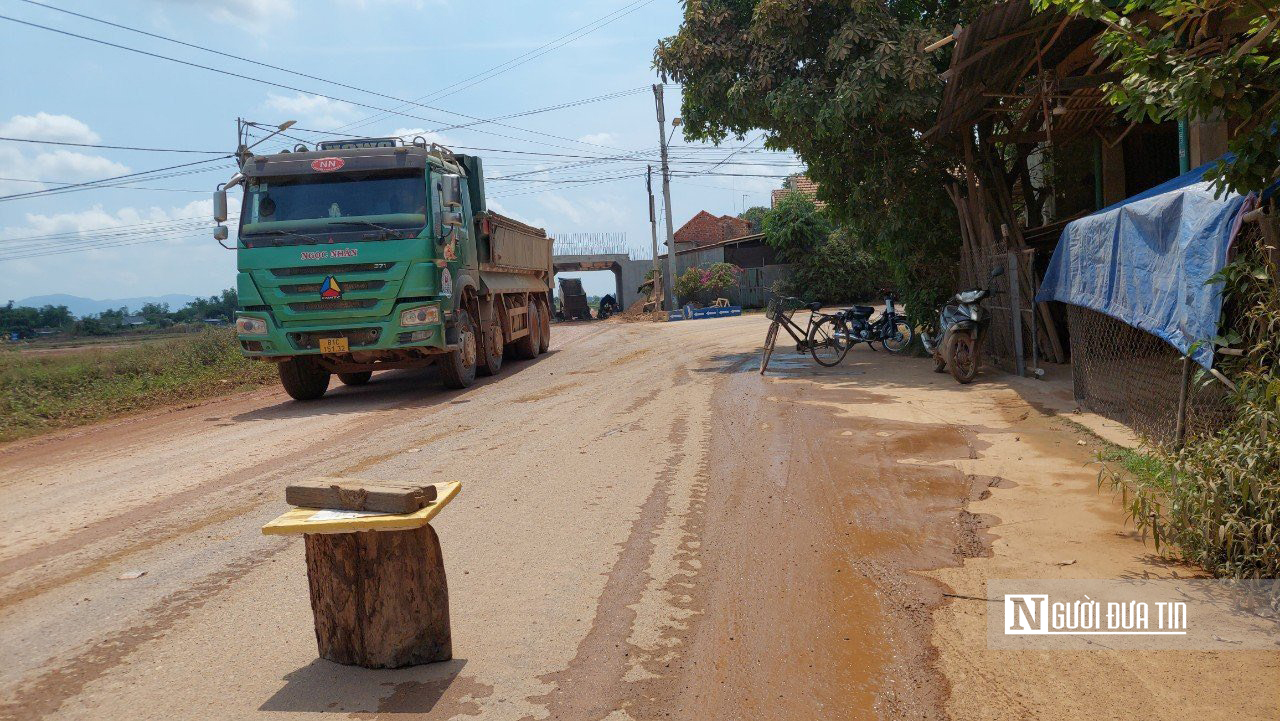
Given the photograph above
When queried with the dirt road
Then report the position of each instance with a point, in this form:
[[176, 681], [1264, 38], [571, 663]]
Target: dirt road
[[647, 529]]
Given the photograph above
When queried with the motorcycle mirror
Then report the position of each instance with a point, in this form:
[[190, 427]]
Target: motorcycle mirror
[[997, 271]]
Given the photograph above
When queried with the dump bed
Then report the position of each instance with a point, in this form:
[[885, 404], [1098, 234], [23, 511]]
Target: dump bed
[[513, 246]]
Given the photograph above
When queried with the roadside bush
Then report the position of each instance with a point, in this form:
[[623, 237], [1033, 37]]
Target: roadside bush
[[1216, 500], [704, 284], [41, 391]]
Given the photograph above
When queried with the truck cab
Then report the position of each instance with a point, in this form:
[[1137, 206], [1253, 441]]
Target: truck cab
[[373, 254]]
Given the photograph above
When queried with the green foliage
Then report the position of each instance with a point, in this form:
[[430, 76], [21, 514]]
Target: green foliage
[[845, 86], [755, 216], [705, 283], [795, 228], [1216, 500], [25, 320], [1173, 66], [45, 391], [839, 270]]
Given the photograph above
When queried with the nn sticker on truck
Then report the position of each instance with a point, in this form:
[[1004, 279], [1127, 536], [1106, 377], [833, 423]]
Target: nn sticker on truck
[[327, 165]]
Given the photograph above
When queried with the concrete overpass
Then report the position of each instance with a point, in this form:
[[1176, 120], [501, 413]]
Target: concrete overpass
[[628, 274]]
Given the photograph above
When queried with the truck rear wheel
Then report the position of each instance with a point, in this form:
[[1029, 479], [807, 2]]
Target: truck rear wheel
[[544, 339], [355, 379], [303, 379], [526, 347], [458, 368], [491, 356]]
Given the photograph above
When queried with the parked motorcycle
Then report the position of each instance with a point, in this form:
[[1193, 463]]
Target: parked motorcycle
[[956, 343], [891, 330]]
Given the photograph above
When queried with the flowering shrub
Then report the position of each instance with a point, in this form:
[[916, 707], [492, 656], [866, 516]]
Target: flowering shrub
[[704, 283]]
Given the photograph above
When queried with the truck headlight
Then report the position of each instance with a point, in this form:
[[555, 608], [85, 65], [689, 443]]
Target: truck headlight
[[250, 326], [426, 315]]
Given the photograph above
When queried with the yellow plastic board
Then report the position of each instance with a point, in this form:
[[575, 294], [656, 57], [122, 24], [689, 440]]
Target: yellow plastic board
[[326, 520]]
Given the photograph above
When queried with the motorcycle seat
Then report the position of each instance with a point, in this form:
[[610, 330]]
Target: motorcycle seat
[[815, 306], [861, 311]]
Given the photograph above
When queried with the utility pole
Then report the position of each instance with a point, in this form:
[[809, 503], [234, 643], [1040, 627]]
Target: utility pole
[[669, 278], [653, 226]]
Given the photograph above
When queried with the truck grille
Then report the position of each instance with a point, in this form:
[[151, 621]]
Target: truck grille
[[347, 285], [333, 304], [331, 269], [356, 337]]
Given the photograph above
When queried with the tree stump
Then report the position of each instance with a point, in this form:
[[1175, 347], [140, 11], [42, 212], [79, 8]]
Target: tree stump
[[379, 597]]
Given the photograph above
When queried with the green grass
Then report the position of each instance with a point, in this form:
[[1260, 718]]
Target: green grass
[[44, 392]]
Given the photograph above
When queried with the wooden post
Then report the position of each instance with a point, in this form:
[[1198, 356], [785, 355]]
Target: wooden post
[[1015, 310], [1180, 424], [379, 597]]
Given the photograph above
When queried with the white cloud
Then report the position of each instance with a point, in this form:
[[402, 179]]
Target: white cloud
[[257, 16], [44, 126], [313, 110], [599, 139], [366, 4], [66, 165], [186, 260]]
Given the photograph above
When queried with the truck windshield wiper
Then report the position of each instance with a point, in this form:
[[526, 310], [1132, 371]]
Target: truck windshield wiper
[[392, 231], [308, 238]]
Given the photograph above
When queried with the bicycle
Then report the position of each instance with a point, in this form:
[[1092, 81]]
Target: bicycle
[[817, 338]]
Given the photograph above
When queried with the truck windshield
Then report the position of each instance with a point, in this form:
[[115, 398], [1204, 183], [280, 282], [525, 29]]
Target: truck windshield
[[295, 210]]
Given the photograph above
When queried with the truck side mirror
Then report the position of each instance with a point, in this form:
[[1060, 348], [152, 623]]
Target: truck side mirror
[[220, 233], [452, 192], [219, 206]]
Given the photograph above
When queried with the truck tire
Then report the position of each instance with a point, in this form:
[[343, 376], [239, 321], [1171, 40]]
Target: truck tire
[[544, 339], [491, 355], [355, 379], [526, 347], [303, 379], [458, 368]]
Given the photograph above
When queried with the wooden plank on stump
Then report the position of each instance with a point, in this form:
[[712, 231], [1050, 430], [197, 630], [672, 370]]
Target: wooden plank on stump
[[352, 494], [380, 599]]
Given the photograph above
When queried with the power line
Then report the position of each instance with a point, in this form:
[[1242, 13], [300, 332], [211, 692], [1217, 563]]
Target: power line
[[90, 183], [112, 147], [512, 63], [270, 83]]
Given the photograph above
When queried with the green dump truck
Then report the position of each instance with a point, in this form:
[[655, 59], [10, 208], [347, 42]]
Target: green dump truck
[[373, 254]]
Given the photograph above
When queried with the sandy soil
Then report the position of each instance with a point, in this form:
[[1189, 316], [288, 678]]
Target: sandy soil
[[648, 529]]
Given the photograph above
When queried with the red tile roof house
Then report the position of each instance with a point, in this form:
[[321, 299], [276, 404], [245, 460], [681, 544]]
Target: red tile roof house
[[707, 229], [797, 184]]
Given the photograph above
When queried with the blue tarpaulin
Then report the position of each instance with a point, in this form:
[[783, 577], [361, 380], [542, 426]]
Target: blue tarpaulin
[[1146, 261]]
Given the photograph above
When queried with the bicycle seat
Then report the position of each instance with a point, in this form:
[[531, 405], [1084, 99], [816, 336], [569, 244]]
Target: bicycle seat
[[815, 306], [861, 311]]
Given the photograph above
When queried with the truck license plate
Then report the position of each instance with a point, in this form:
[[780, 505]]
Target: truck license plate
[[334, 345]]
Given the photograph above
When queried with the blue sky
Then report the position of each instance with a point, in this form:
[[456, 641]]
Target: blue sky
[[153, 237]]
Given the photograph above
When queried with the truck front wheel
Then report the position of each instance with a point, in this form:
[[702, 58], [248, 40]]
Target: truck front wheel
[[458, 367], [303, 379]]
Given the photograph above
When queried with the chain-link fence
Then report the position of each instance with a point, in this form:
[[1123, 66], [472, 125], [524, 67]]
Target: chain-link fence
[[1135, 378]]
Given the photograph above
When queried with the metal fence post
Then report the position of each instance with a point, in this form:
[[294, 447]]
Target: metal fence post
[[1015, 310]]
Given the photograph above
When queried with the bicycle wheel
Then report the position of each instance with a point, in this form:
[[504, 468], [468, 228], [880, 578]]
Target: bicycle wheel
[[825, 345], [901, 337], [769, 339]]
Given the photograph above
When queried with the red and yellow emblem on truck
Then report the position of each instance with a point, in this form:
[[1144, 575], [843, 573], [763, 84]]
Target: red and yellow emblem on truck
[[329, 289]]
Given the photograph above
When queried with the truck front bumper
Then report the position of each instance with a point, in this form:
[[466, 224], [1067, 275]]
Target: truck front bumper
[[362, 334]]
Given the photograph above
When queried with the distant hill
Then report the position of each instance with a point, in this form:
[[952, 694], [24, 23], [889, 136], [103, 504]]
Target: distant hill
[[81, 307]]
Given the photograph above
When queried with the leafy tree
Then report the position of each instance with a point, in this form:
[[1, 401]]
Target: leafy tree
[[754, 216], [795, 228], [844, 85], [1174, 64]]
